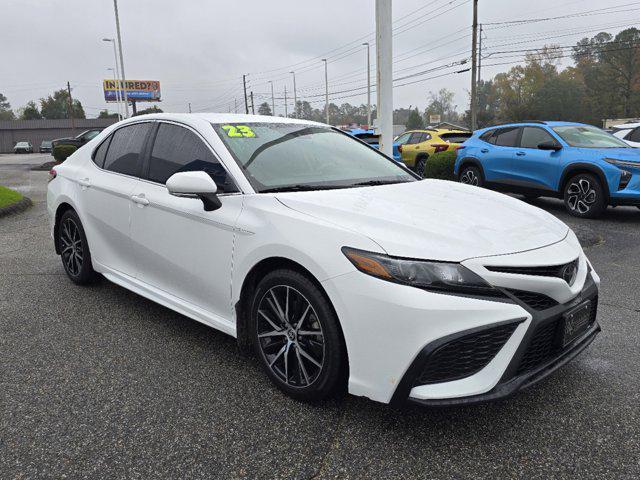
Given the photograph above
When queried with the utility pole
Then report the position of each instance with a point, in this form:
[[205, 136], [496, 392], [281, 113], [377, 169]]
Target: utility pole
[[113, 72], [124, 81], [368, 85], [384, 67], [295, 94], [480, 54], [286, 113], [189, 107], [253, 109], [235, 105], [474, 68], [244, 85], [116, 75], [273, 101], [70, 100], [326, 91]]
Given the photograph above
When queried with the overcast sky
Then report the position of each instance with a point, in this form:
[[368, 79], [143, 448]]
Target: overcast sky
[[199, 49]]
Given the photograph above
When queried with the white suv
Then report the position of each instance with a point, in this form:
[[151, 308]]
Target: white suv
[[338, 266]]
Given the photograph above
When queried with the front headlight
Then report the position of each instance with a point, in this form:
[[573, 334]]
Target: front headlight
[[622, 163], [444, 277]]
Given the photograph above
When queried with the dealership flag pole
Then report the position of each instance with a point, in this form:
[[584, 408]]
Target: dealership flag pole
[[124, 82], [384, 84]]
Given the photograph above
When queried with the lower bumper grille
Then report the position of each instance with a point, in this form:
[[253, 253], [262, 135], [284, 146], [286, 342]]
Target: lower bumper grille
[[545, 343], [465, 356]]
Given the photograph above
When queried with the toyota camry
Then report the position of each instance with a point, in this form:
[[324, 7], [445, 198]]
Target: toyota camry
[[337, 266]]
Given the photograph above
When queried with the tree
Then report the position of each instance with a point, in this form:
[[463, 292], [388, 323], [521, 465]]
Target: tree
[[57, 106], [415, 122], [153, 109], [106, 114], [30, 111], [5, 109], [264, 109], [441, 103]]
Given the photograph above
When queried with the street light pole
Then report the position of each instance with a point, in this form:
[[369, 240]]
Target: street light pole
[[113, 72], [273, 102], [116, 75], [295, 94], [368, 85], [326, 91], [124, 81], [286, 113]]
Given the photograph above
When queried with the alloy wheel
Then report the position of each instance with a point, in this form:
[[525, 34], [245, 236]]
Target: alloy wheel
[[581, 196], [71, 246], [290, 336], [469, 177]]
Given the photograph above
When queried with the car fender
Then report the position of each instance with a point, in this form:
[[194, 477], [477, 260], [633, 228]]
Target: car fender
[[584, 166]]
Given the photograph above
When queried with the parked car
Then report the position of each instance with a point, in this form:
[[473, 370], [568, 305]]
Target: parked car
[[416, 146], [46, 146], [331, 261], [371, 138], [629, 133], [79, 140], [582, 164], [23, 147]]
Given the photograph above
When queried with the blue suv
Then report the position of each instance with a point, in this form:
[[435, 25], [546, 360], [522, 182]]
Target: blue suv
[[584, 165]]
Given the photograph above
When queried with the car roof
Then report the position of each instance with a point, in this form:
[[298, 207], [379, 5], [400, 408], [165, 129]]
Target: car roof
[[221, 118], [627, 125], [536, 123]]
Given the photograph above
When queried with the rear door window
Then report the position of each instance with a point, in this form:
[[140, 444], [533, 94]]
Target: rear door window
[[507, 137], [178, 149], [125, 151], [634, 135]]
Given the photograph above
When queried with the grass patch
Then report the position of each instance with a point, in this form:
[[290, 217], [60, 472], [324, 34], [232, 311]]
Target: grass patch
[[8, 196]]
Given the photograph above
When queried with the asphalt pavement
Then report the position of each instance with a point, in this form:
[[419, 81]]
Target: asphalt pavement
[[97, 382]]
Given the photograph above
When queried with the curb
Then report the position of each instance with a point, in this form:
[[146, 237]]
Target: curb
[[19, 206]]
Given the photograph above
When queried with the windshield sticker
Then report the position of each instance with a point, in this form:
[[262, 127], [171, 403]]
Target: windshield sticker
[[239, 131]]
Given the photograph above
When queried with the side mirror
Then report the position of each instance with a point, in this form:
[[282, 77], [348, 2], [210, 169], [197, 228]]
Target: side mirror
[[195, 185], [550, 145]]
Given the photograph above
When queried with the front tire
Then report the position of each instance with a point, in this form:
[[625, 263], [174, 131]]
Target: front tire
[[471, 175], [584, 196], [74, 249], [296, 336]]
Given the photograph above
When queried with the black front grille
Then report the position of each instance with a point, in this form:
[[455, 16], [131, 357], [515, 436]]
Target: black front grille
[[536, 301], [465, 355], [544, 271]]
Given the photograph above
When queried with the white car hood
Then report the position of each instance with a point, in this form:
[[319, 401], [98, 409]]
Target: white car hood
[[433, 219]]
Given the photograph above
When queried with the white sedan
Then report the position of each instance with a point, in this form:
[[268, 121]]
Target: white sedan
[[338, 266], [629, 133]]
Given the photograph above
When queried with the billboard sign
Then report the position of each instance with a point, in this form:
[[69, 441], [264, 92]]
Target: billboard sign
[[137, 90]]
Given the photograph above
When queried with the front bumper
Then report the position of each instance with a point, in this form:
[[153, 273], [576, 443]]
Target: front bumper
[[521, 371]]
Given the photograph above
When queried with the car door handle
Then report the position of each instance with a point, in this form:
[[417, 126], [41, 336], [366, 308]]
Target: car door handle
[[140, 200], [520, 154], [84, 182], [484, 150]]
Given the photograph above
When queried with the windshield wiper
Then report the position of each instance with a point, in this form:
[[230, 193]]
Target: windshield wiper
[[299, 188], [373, 183]]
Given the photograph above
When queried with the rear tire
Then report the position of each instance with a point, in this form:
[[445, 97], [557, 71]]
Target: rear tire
[[74, 249], [470, 175], [421, 164], [584, 196], [296, 336]]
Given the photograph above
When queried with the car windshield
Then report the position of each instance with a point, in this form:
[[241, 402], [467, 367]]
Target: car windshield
[[288, 156], [46, 144], [584, 136], [22, 144]]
